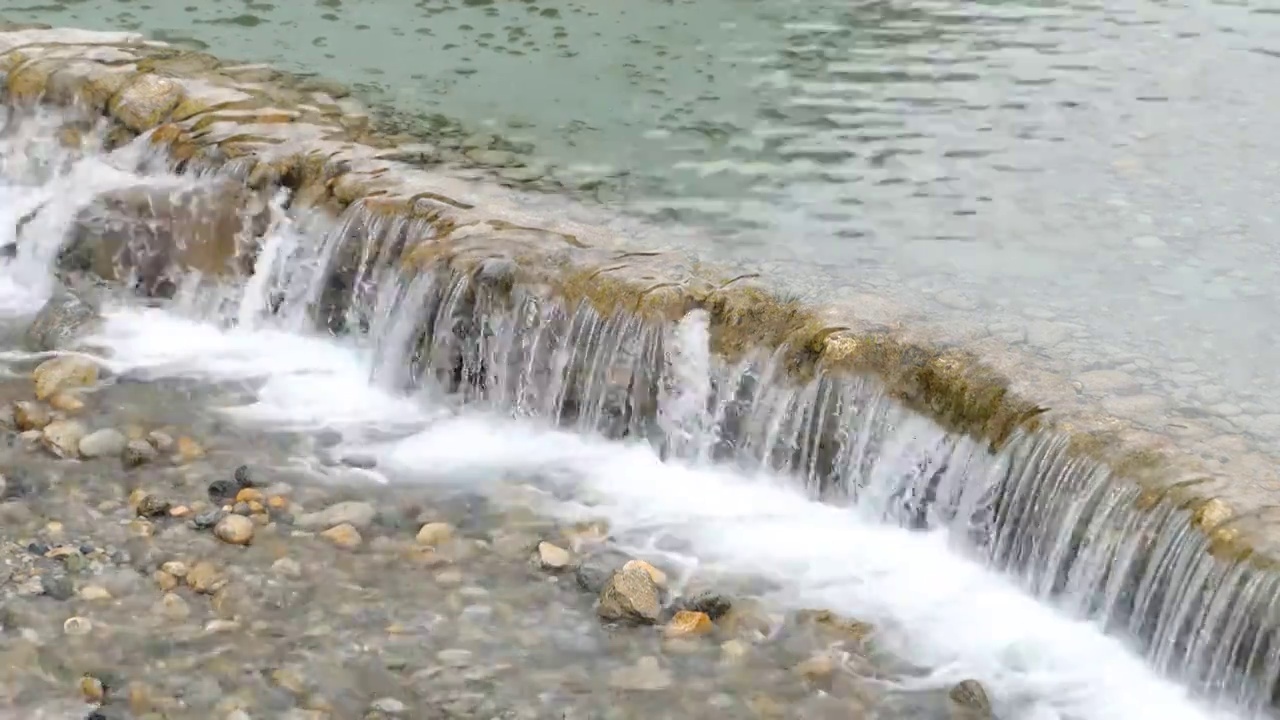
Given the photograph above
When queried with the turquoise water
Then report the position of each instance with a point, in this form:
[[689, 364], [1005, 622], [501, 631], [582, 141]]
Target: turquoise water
[[1091, 183]]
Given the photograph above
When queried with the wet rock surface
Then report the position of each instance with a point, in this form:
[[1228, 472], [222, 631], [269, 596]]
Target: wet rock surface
[[151, 235], [65, 316], [206, 577]]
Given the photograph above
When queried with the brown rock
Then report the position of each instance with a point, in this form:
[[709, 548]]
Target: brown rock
[[435, 534], [94, 592], [62, 438], [29, 415], [154, 234], [553, 557], [204, 577], [688, 623], [64, 372], [817, 669], [152, 506], [968, 700], [166, 581], [344, 536], [659, 577], [234, 530], [146, 101], [631, 595], [138, 452], [249, 495], [188, 450], [67, 401], [92, 689]]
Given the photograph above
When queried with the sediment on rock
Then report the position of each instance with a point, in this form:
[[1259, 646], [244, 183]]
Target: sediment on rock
[[1078, 503]]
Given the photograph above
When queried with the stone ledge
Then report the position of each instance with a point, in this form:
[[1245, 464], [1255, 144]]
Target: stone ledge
[[280, 132]]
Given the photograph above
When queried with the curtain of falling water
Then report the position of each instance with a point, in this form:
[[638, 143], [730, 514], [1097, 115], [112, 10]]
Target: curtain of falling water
[[1055, 521]]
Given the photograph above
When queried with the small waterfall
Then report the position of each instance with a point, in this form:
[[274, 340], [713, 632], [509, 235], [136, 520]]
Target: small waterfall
[[1098, 548], [470, 327]]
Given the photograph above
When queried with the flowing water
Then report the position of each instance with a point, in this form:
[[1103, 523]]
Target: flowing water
[[1026, 569]]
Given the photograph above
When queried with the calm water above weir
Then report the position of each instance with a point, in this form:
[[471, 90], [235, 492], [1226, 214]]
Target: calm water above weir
[[1095, 182]]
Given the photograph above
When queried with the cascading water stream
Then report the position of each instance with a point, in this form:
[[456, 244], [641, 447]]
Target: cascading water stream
[[829, 489]]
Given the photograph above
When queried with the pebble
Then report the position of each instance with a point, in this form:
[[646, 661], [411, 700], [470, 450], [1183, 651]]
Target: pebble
[[29, 415], [553, 557], [103, 443], [345, 536], [687, 623], [137, 453], [62, 438], [968, 700], [187, 450], [205, 578], [207, 519], [160, 441], [153, 506], [77, 626], [94, 592], [174, 607], [359, 515], [57, 586], [61, 373], [66, 401], [388, 705], [630, 595], [435, 534], [646, 674], [234, 530], [287, 567], [659, 577]]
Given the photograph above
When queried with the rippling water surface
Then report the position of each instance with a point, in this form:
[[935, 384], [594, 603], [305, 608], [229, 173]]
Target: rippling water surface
[[1093, 182]]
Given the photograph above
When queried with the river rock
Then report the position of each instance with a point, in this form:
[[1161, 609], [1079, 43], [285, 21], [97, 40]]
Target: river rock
[[138, 452], [65, 316], [632, 596], [553, 557], [646, 674], [63, 373], [30, 415], [359, 515], [62, 438], [968, 700], [344, 536], [103, 443], [435, 534], [688, 623], [151, 233], [234, 529]]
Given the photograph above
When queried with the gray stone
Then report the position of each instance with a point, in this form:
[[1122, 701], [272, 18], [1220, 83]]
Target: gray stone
[[138, 452], [65, 317], [358, 514], [103, 443]]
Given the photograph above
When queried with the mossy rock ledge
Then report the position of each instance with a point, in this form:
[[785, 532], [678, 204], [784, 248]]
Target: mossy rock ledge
[[276, 130]]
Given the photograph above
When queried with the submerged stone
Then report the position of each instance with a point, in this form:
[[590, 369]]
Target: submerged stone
[[631, 595], [64, 317], [968, 700], [153, 234], [63, 373]]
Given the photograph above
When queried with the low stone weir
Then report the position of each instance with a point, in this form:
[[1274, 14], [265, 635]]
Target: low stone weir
[[465, 287]]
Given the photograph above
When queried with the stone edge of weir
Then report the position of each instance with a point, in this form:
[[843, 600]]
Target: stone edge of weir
[[212, 113]]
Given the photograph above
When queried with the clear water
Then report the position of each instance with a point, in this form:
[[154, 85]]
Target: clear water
[[937, 606], [1091, 182]]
